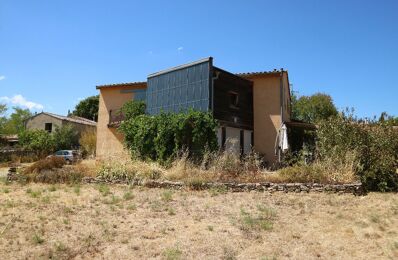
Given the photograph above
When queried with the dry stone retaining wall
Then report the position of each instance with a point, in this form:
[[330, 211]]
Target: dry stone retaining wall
[[355, 188]]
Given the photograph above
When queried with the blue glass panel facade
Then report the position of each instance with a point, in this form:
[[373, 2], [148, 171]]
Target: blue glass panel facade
[[139, 94], [180, 89]]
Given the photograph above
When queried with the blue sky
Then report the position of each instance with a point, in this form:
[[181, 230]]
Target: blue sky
[[53, 53]]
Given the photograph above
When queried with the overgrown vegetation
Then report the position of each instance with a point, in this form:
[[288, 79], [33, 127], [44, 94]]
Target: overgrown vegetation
[[161, 137], [44, 143], [45, 164], [54, 170], [375, 146], [88, 142], [348, 150]]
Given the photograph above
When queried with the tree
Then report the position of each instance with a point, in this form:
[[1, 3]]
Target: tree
[[88, 108], [314, 108], [65, 137], [16, 122], [3, 119]]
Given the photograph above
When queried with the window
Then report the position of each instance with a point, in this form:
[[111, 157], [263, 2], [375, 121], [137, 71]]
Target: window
[[233, 99], [48, 127]]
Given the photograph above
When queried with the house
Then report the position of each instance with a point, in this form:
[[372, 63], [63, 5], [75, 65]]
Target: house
[[48, 122], [251, 108]]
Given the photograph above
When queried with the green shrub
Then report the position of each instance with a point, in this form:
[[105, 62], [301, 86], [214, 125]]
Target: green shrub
[[39, 141], [375, 145], [139, 136], [65, 137], [132, 109], [162, 136], [43, 143]]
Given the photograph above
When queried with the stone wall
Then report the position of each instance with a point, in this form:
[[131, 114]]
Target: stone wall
[[355, 188]]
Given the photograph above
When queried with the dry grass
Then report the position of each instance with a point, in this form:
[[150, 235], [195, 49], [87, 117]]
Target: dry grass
[[225, 166], [229, 167], [117, 222], [45, 164], [329, 170]]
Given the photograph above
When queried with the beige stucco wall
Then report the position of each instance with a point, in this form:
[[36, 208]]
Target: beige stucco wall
[[39, 121], [109, 140], [267, 114]]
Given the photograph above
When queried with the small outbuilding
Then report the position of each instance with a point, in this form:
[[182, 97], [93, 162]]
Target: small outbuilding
[[48, 122]]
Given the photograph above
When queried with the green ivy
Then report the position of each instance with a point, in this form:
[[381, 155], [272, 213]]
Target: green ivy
[[161, 137]]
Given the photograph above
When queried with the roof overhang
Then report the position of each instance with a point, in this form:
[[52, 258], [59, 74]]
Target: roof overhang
[[301, 125], [127, 84]]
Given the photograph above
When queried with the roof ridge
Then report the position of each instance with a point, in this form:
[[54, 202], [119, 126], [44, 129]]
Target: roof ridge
[[71, 119]]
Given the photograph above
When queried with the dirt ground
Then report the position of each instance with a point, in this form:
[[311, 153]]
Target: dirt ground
[[119, 222]]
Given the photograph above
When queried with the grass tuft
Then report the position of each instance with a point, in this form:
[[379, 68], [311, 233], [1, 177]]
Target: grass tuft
[[172, 254], [37, 239], [167, 196], [128, 195]]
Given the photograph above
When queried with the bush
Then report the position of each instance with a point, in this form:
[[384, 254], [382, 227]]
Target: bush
[[139, 136], [38, 141], [88, 142], [65, 137], [375, 146], [132, 109], [162, 136], [46, 164], [44, 143]]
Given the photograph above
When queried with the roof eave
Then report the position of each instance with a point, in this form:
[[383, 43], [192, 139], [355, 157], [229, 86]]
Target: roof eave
[[128, 84]]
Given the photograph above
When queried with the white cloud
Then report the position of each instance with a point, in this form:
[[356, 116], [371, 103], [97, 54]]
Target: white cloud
[[19, 100], [180, 48], [2, 77]]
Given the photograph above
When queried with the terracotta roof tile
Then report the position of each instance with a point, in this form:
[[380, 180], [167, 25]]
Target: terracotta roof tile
[[125, 84], [254, 73], [74, 119]]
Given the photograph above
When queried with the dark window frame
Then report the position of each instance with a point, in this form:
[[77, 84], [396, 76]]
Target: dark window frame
[[233, 99], [48, 127]]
